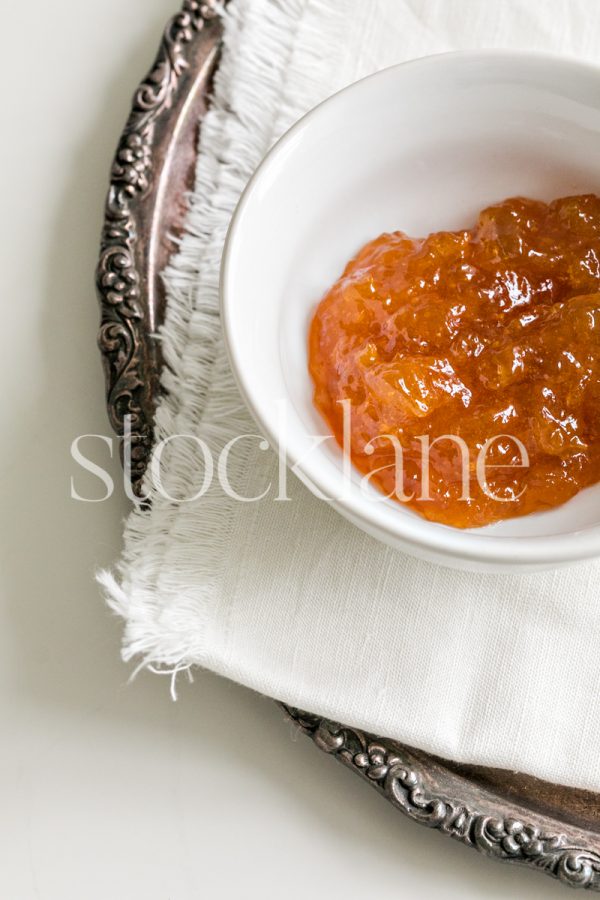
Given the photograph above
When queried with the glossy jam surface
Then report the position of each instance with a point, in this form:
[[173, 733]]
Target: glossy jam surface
[[491, 335]]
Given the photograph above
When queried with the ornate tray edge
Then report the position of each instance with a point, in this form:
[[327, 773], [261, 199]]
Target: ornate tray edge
[[133, 252], [395, 772], [133, 248]]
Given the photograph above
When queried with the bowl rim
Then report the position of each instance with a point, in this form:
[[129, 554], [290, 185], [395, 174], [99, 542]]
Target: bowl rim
[[413, 531]]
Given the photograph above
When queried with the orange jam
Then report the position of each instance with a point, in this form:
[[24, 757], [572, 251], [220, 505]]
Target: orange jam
[[487, 340]]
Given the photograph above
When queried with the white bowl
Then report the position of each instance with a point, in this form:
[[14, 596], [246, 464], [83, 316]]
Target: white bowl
[[419, 147]]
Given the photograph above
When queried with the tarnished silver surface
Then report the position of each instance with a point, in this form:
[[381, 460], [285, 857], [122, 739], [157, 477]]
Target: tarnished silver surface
[[152, 168], [504, 815], [428, 792]]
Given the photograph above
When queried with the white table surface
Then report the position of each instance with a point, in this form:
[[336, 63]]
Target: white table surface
[[109, 789]]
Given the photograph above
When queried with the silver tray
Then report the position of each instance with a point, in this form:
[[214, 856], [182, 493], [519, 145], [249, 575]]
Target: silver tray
[[504, 815]]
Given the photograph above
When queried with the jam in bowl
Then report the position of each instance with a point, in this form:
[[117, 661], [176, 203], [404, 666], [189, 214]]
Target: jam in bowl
[[470, 360], [485, 330]]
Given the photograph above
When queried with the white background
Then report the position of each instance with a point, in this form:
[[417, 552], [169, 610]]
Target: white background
[[110, 790]]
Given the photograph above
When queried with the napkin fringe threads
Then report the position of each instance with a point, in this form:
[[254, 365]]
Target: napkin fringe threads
[[264, 43]]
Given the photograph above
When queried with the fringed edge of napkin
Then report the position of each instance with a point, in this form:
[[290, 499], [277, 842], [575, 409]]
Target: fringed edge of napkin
[[251, 107]]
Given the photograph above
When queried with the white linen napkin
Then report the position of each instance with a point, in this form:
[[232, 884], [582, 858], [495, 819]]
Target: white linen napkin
[[287, 597]]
